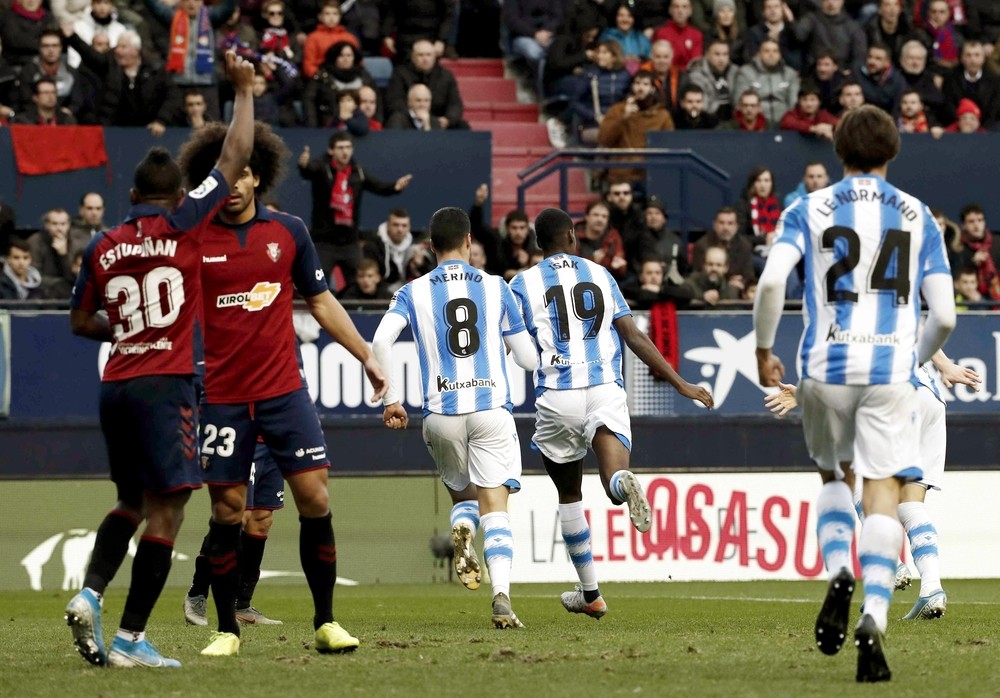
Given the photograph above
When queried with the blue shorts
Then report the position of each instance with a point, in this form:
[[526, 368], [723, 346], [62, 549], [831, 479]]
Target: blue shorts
[[288, 424], [267, 487], [149, 426]]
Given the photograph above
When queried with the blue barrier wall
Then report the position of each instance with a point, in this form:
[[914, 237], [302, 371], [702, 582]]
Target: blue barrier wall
[[946, 173], [446, 168]]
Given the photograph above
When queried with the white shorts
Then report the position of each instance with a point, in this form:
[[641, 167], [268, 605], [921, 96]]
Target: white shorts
[[933, 437], [478, 447], [566, 420], [875, 426]]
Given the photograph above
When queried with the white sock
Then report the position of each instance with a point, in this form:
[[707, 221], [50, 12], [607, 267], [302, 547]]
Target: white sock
[[467, 513], [878, 548], [130, 636], [835, 525], [576, 534], [498, 549], [923, 545]]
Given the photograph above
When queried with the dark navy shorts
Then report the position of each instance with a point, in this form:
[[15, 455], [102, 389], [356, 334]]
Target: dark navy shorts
[[288, 424], [267, 487], [150, 428]]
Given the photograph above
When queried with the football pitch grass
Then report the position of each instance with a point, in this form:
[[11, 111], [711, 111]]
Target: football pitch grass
[[678, 639]]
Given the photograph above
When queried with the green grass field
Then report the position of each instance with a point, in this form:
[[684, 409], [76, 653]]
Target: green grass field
[[679, 639]]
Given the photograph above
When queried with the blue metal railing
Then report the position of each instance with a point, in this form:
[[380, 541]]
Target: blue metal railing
[[687, 163]]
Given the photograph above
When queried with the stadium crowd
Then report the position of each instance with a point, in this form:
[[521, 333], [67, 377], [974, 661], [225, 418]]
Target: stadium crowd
[[604, 73]]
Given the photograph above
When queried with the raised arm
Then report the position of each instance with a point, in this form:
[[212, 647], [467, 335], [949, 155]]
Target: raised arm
[[238, 146]]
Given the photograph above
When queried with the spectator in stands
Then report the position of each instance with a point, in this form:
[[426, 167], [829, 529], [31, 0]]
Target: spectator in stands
[[19, 280], [807, 116], [725, 28], [362, 18], [51, 63], [21, 27], [703, 14], [971, 81], [880, 82], [814, 178], [626, 124], [634, 43], [329, 31], [983, 21], [651, 287], [572, 48], [625, 216], [967, 288], [45, 109], [747, 116], [390, 247], [977, 251], [348, 116], [101, 19], [191, 57], [712, 284], [890, 27], [518, 246], [273, 91], [338, 183], [418, 112], [830, 29], [851, 96], [690, 113], [775, 84], [88, 223], [829, 78], [913, 69], [724, 234], [913, 117], [775, 24], [940, 36], [477, 255], [599, 242], [446, 102], [340, 71], [195, 110], [420, 260], [668, 77], [968, 118], [405, 22], [758, 209], [715, 74], [238, 35], [367, 284], [133, 91], [50, 252], [368, 104], [277, 36], [952, 231], [686, 40], [661, 243], [606, 83]]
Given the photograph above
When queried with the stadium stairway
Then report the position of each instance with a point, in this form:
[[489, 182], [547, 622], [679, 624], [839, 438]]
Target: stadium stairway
[[519, 137]]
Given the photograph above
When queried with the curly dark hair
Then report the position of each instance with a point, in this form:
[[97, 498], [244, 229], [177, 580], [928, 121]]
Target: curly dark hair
[[200, 153]]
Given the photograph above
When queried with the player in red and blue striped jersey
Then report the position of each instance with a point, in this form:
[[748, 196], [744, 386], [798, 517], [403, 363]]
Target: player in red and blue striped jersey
[[146, 275]]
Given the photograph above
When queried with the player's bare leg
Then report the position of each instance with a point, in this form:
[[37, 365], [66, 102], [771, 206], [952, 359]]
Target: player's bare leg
[[620, 484], [835, 533], [932, 601], [586, 597], [228, 502], [498, 549], [256, 526], [464, 524], [318, 554]]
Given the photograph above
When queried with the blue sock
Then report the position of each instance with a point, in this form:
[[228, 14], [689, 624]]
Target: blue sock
[[467, 513], [616, 487], [498, 549]]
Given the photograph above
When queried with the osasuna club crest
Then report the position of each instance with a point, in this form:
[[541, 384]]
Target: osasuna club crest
[[273, 251]]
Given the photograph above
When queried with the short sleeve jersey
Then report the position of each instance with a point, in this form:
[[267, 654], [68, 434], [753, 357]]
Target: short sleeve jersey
[[569, 306], [248, 273], [459, 316], [146, 274], [867, 248]]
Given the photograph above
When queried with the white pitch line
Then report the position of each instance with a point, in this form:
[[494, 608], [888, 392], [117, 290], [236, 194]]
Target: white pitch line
[[758, 599]]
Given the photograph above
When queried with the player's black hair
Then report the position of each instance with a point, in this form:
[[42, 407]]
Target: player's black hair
[[866, 138], [157, 174], [448, 227], [551, 226], [201, 152]]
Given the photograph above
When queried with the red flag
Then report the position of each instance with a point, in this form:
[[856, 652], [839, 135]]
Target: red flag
[[42, 150]]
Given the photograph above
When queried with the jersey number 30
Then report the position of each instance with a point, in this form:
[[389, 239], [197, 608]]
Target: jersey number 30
[[895, 241], [156, 303]]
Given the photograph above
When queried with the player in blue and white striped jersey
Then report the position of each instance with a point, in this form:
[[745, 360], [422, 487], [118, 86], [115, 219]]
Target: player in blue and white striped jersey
[[463, 320], [578, 318], [870, 251]]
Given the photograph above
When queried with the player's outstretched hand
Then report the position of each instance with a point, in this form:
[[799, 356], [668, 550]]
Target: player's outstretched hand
[[394, 416], [770, 370], [239, 70], [783, 401], [953, 373], [378, 380], [697, 392]]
